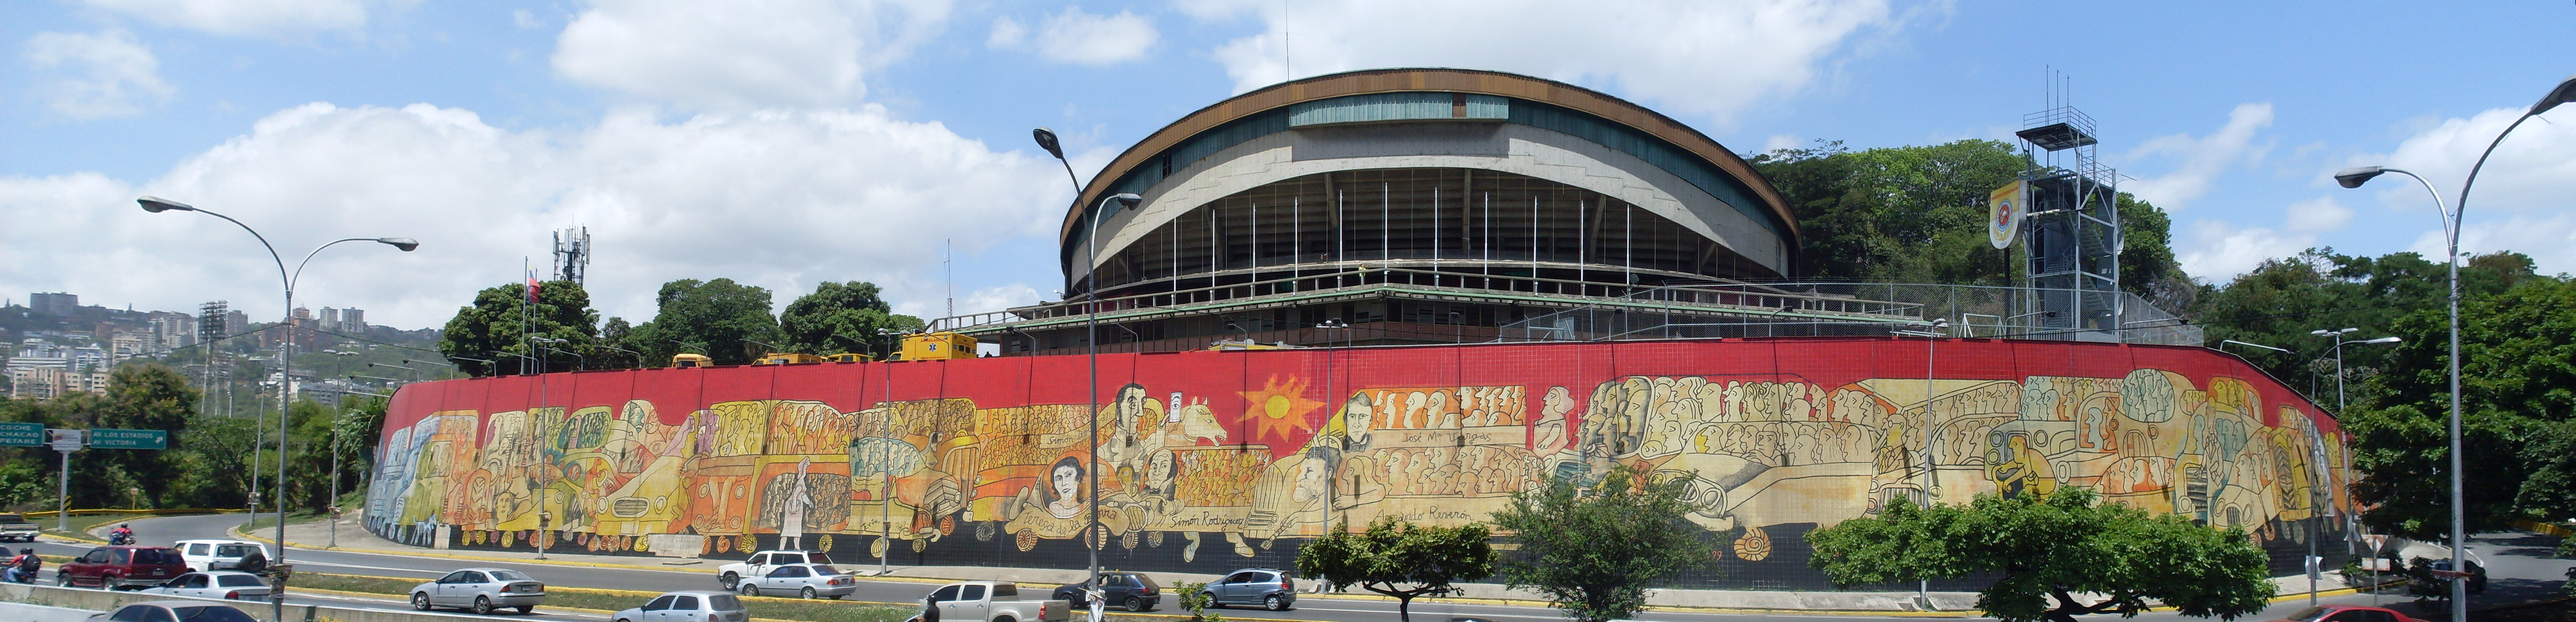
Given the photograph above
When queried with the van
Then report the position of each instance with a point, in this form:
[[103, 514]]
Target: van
[[213, 555]]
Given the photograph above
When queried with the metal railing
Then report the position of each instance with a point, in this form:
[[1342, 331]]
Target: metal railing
[[1780, 310]]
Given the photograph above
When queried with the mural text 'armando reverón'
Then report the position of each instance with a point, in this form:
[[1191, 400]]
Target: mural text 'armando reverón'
[[1210, 461]]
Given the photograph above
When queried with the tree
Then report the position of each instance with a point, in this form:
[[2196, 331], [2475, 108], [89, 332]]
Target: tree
[[2049, 549], [497, 328], [1917, 215], [1593, 551], [1392, 555], [145, 396], [839, 317], [2518, 362], [2279, 301], [717, 318]]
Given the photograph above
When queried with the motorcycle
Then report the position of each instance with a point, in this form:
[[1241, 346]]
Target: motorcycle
[[23, 572], [120, 539]]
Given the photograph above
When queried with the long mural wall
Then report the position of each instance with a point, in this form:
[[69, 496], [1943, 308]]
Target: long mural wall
[[1209, 461]]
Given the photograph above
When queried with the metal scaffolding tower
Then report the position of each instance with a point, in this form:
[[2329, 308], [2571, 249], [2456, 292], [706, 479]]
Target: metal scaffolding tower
[[2073, 227]]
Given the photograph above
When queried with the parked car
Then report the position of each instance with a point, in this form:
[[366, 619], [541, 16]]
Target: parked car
[[480, 590], [224, 584], [689, 606], [174, 611], [993, 601], [2347, 613], [759, 564], [17, 527], [1134, 591], [121, 567], [209, 555], [803, 580], [1270, 588]]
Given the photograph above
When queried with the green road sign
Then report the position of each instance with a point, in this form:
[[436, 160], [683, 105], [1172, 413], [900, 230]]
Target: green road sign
[[22, 435], [129, 439]]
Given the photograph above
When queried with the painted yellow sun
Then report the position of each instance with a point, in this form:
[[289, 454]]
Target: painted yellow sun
[[1277, 408]]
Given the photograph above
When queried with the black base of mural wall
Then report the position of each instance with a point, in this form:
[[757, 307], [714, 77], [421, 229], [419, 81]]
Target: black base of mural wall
[[1784, 568]]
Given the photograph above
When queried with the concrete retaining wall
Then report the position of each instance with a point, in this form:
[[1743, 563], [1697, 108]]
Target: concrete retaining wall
[[39, 613], [86, 601]]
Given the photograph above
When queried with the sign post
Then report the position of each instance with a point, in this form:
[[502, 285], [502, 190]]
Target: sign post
[[66, 441]]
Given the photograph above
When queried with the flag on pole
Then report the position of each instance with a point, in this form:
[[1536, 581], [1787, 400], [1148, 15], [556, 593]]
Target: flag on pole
[[532, 287]]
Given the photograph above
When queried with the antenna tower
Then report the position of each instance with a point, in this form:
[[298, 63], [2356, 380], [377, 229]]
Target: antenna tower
[[2073, 228], [572, 254]]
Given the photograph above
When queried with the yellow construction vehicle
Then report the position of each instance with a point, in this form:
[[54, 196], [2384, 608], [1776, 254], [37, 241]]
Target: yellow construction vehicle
[[685, 360]]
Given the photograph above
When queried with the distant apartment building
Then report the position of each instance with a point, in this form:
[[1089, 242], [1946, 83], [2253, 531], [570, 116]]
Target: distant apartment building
[[171, 330], [41, 369], [353, 321], [56, 304]]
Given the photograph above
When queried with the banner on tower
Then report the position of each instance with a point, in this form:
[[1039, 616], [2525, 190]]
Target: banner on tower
[[2004, 210]]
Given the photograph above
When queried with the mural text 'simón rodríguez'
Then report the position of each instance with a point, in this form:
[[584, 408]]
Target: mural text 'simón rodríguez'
[[1209, 461]]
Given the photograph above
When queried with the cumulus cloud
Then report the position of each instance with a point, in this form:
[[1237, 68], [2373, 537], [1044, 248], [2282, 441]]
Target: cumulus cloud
[[734, 55], [2202, 158], [275, 18], [2218, 251], [2318, 214], [777, 199], [2549, 240], [92, 75], [1079, 38], [1705, 57], [2529, 170]]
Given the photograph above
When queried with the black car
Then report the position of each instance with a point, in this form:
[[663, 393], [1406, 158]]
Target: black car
[[1134, 591]]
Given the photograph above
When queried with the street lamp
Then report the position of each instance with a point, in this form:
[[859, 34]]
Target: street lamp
[[1091, 327], [286, 353], [2338, 348], [2353, 178], [1936, 329]]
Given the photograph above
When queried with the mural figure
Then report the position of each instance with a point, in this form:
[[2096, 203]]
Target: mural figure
[[791, 524]]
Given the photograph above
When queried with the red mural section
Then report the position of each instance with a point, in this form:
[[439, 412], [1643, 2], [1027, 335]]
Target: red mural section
[[1207, 460]]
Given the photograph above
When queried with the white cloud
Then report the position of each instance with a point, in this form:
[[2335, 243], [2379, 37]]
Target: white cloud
[[1078, 38], [2549, 240], [2530, 170], [2217, 251], [87, 76], [2201, 158], [1007, 33], [777, 199], [526, 20], [246, 17], [2318, 214], [1704, 57], [742, 54]]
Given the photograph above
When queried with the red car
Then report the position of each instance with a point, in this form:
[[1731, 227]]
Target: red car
[[2348, 613], [120, 567]]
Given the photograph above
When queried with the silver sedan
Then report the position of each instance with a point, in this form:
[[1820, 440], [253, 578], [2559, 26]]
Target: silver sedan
[[481, 590], [803, 580], [224, 584]]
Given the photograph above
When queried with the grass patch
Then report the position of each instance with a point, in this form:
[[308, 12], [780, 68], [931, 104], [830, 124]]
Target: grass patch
[[578, 598], [269, 521]]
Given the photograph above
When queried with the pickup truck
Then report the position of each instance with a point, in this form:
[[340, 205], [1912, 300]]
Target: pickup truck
[[16, 527], [759, 564], [993, 601]]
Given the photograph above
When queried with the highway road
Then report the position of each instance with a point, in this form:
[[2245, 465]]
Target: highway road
[[163, 531]]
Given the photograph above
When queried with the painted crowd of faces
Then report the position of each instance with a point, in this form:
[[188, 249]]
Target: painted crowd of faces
[[1274, 463]]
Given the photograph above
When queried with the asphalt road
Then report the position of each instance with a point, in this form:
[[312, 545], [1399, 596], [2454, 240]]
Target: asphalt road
[[2512, 556]]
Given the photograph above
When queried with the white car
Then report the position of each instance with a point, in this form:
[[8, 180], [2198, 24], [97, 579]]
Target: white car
[[207, 555], [224, 584], [690, 606], [730, 575], [803, 580]]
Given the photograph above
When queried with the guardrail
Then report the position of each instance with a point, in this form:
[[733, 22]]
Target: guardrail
[[1786, 309]]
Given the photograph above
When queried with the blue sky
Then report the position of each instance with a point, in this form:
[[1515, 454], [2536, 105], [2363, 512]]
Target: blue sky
[[788, 142]]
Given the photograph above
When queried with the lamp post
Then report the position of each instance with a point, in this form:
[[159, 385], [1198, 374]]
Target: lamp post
[[639, 356], [885, 495], [286, 352], [1931, 339], [1091, 329], [2353, 178]]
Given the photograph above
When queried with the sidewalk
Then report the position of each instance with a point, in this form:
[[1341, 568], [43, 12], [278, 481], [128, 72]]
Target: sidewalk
[[354, 538]]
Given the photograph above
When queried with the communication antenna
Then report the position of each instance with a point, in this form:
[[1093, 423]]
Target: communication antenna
[[949, 264], [572, 254]]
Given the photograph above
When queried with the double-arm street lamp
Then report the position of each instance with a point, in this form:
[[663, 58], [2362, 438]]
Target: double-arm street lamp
[[286, 354], [2354, 178], [2338, 349], [1091, 535]]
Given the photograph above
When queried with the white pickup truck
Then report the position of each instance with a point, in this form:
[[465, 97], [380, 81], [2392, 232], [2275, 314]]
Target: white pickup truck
[[759, 564], [16, 527], [993, 601]]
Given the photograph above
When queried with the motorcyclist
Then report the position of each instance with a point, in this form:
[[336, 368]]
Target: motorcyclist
[[23, 568], [123, 534]]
